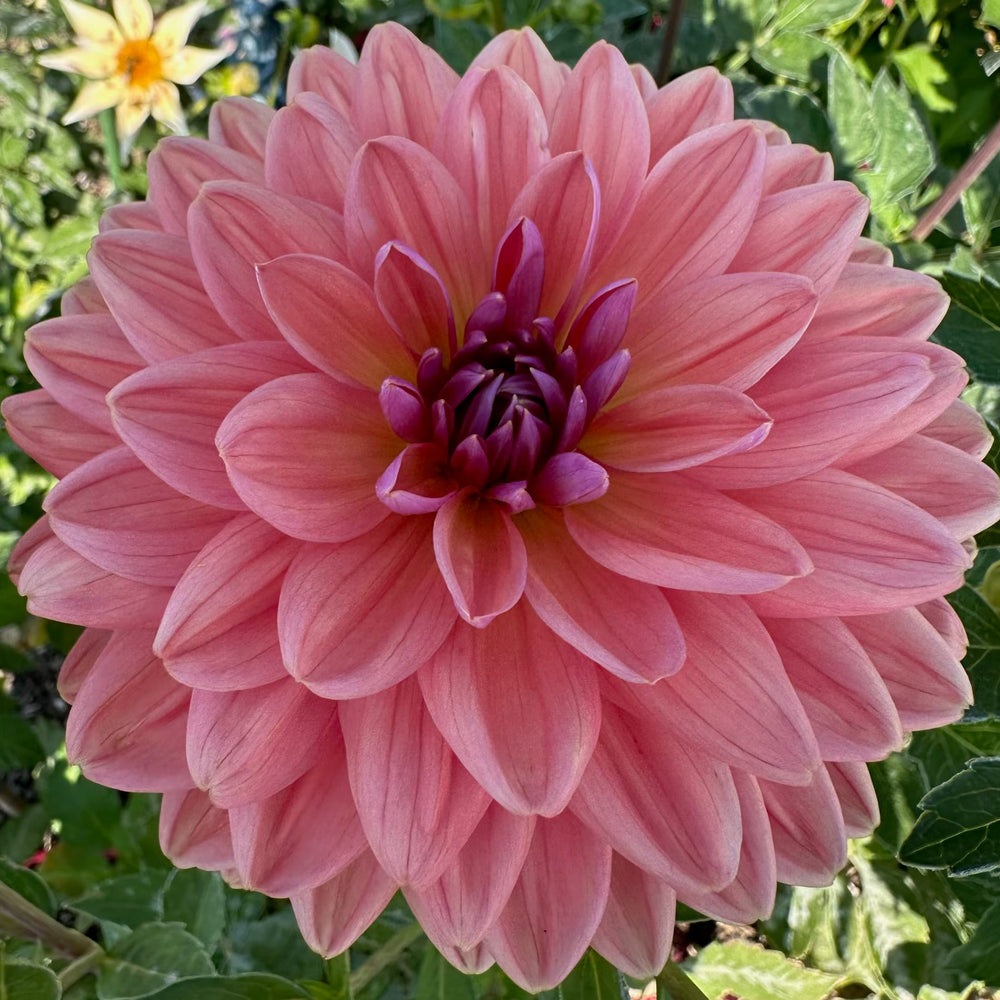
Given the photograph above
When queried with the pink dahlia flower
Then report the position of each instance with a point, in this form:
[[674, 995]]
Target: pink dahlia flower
[[524, 489]]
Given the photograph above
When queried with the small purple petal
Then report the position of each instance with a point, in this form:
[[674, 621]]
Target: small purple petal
[[430, 372], [599, 329], [469, 462], [519, 272], [489, 314], [565, 369], [462, 384], [576, 421], [416, 481], [442, 423], [405, 410], [552, 394], [529, 433], [515, 495], [499, 445], [606, 379], [477, 416], [569, 478]]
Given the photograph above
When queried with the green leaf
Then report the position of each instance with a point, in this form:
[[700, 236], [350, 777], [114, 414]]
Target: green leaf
[[440, 980], [88, 813], [804, 15], [22, 836], [979, 957], [338, 976], [275, 943], [972, 325], [851, 113], [753, 973], [128, 899], [983, 669], [20, 981], [256, 986], [794, 54], [20, 746], [28, 885], [790, 108], [197, 900], [925, 75], [980, 620], [990, 13], [151, 957], [960, 829], [594, 978]]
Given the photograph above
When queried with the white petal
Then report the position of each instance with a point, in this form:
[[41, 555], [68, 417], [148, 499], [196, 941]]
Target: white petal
[[94, 97], [190, 63], [94, 61], [129, 116], [165, 103], [134, 17], [173, 27], [92, 25]]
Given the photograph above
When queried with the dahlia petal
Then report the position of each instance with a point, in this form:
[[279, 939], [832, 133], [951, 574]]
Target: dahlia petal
[[492, 138], [793, 166], [418, 480], [750, 895], [154, 292], [181, 165], [921, 670], [219, 631], [413, 299], [925, 471], [270, 442], [481, 679], [807, 825], [962, 427], [636, 931], [193, 832], [169, 413], [399, 191], [871, 549], [674, 815], [243, 746], [26, 546], [731, 699], [310, 147], [127, 725], [417, 804], [809, 231], [471, 961], [61, 585], [234, 227], [324, 72], [662, 529], [80, 662], [624, 625], [525, 53], [856, 794], [78, 359], [330, 316], [541, 934], [727, 330], [676, 427], [876, 301], [708, 186], [644, 81], [130, 215], [54, 437], [84, 297], [867, 251], [333, 915], [401, 86], [944, 619], [601, 113], [241, 124], [693, 102], [460, 907], [847, 702], [117, 514], [303, 835], [569, 477]]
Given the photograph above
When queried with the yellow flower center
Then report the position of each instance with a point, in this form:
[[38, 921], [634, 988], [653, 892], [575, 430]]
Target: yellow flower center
[[140, 61]]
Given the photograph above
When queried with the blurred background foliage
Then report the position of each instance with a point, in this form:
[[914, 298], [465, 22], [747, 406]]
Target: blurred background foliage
[[902, 92]]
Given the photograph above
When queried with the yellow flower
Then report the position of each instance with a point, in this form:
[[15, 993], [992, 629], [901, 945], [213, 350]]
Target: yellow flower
[[134, 64]]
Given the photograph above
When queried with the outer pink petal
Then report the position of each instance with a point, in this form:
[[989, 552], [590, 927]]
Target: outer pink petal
[[856, 794], [359, 617], [303, 835], [243, 746], [846, 700], [241, 124], [401, 86], [310, 147], [130, 215], [219, 631], [671, 812], [637, 929], [399, 191], [304, 452], [154, 292], [962, 427], [644, 81], [193, 832], [80, 662], [809, 230], [333, 915], [676, 427], [169, 413], [115, 512], [920, 669], [693, 213], [556, 905], [945, 621], [601, 113], [417, 804], [691, 103], [38, 535], [727, 330], [78, 359], [867, 251], [794, 166], [53, 436], [181, 165], [413, 299], [624, 625], [83, 298], [330, 316], [810, 842], [458, 909], [234, 227], [872, 550], [662, 529], [324, 72], [127, 725], [482, 679], [481, 556], [732, 699], [492, 138]]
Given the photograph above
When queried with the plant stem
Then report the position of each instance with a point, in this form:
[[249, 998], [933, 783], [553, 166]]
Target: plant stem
[[25, 919], [969, 171], [384, 957], [673, 983], [670, 35], [80, 967], [111, 151]]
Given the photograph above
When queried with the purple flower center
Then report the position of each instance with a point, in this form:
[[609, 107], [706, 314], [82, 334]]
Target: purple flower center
[[505, 412]]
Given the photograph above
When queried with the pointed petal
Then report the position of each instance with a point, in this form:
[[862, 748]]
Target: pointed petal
[[173, 26], [128, 215], [94, 61], [795, 165], [321, 70], [525, 53], [193, 832], [84, 298], [856, 793], [691, 103], [94, 26], [80, 662], [478, 681], [189, 64], [134, 17], [240, 123], [959, 425], [96, 96]]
